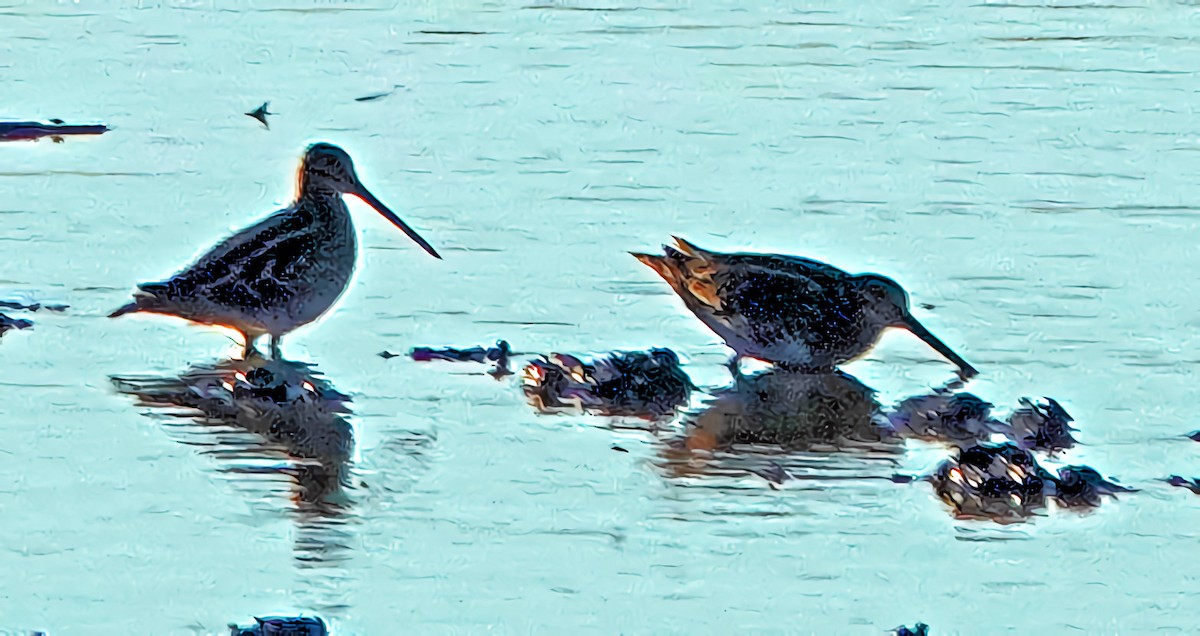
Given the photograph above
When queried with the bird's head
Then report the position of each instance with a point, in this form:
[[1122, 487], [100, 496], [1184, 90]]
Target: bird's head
[[885, 302], [327, 168]]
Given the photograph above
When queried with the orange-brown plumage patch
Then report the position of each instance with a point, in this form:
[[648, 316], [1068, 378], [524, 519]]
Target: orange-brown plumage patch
[[688, 277], [699, 269], [705, 291]]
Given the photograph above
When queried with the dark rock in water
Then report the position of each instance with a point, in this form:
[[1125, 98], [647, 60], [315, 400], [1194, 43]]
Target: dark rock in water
[[959, 418], [920, 629], [797, 411], [8, 324], [498, 354], [1191, 484], [281, 626], [1081, 487], [1002, 482], [648, 384], [1045, 426]]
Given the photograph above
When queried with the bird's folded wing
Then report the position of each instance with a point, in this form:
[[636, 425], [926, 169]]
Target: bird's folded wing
[[231, 259]]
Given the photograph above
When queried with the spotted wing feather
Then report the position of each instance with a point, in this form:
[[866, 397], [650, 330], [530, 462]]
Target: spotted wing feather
[[250, 269], [774, 300]]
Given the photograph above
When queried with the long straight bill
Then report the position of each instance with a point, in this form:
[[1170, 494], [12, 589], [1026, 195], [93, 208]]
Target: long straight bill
[[965, 370], [383, 211]]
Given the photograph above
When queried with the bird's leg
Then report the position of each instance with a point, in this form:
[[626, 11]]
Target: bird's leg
[[735, 367], [275, 340], [247, 348]]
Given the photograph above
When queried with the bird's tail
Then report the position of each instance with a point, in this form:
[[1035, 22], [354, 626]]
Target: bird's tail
[[690, 249], [660, 264], [144, 299], [688, 271]]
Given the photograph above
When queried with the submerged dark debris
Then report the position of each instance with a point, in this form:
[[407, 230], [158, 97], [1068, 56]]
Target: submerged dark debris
[[650, 384], [1005, 482], [1043, 426], [10, 304], [282, 626], [1000, 482], [820, 412], [1182, 482], [964, 419], [951, 417], [8, 324], [499, 355], [55, 129], [1081, 487]]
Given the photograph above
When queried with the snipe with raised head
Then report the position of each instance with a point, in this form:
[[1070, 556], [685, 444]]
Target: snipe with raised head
[[797, 313], [283, 272]]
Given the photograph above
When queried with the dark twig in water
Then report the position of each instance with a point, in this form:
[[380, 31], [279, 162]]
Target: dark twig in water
[[498, 354], [55, 130], [11, 304], [377, 96], [1191, 484]]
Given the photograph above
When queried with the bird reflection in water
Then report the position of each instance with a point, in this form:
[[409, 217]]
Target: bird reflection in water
[[820, 427], [782, 425], [271, 419]]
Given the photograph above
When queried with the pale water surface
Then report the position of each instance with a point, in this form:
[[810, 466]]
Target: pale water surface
[[1032, 171]]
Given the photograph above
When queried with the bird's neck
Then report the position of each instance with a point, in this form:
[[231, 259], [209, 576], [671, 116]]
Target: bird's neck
[[315, 193], [314, 185], [323, 203]]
